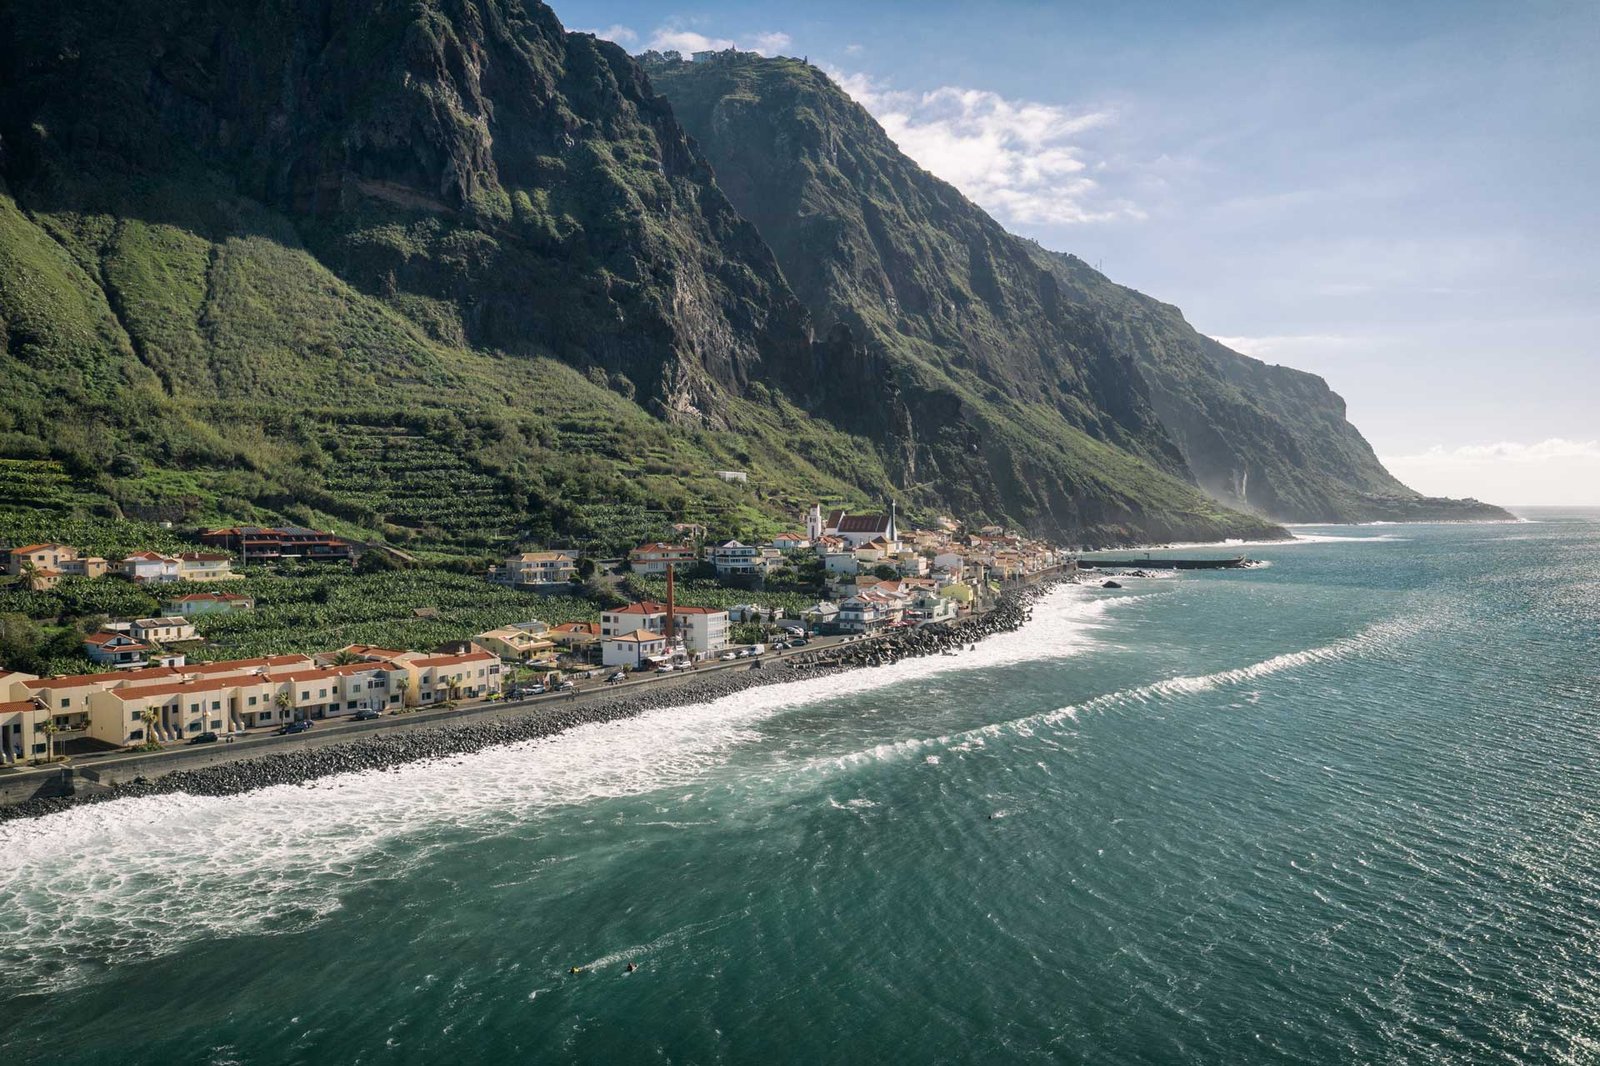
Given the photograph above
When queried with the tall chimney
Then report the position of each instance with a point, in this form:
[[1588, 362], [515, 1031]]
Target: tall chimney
[[669, 606]]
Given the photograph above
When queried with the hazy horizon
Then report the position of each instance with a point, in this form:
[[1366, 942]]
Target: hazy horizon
[[1395, 199]]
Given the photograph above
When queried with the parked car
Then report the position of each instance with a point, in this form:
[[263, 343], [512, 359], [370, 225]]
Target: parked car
[[616, 677], [204, 738], [294, 727], [567, 686], [780, 646], [366, 714], [729, 656], [536, 690], [799, 642]]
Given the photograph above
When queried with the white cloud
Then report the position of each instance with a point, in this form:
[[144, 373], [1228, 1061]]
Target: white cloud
[[1276, 346], [854, 49], [770, 43], [1552, 472], [615, 33], [1019, 159], [677, 39], [667, 39]]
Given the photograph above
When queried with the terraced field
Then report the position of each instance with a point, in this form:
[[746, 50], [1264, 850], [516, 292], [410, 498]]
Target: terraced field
[[419, 487]]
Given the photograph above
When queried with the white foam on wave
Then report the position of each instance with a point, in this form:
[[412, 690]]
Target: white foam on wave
[[139, 877], [1375, 638]]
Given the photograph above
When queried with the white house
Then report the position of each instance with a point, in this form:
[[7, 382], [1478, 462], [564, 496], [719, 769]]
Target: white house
[[703, 630], [734, 559], [790, 541], [115, 649], [169, 629], [633, 649], [646, 614], [754, 612], [862, 614], [844, 562], [150, 567], [929, 606], [821, 613]]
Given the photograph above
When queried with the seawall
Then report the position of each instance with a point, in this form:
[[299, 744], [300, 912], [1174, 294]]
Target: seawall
[[227, 769]]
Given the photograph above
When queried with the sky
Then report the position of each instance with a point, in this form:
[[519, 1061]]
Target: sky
[[1399, 197]]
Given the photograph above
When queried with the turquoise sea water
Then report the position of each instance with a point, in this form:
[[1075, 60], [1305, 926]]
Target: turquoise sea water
[[1345, 808]]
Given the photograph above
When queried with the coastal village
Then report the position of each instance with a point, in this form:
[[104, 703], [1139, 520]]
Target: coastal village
[[155, 681]]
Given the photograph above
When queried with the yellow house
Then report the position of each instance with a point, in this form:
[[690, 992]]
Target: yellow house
[[518, 644], [206, 566], [20, 720]]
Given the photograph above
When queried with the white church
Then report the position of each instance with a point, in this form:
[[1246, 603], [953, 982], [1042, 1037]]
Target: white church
[[854, 530]]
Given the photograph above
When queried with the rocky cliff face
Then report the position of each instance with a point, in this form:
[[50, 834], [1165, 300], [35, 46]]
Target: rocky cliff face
[[903, 261], [511, 186], [262, 258]]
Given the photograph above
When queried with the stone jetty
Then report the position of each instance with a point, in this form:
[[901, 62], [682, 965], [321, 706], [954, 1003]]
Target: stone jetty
[[382, 749]]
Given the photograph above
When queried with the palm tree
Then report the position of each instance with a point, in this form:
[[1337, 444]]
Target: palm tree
[[49, 729], [284, 701], [455, 689], [149, 717], [344, 657], [404, 685]]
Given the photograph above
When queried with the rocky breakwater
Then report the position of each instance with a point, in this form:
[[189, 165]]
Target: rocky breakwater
[[384, 749]]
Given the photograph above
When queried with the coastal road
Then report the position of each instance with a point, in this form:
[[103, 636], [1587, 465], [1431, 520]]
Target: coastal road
[[329, 731]]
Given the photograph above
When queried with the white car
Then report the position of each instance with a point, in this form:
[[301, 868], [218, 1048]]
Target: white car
[[728, 657]]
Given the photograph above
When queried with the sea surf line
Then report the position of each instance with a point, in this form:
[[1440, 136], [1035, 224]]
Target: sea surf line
[[104, 874]]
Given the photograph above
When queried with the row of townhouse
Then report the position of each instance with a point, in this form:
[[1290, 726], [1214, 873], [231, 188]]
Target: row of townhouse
[[171, 702], [45, 565]]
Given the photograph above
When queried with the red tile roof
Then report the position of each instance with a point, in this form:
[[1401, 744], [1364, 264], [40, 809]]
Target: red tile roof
[[642, 607], [864, 523], [98, 639], [215, 684], [457, 660], [13, 706], [107, 678], [29, 549]]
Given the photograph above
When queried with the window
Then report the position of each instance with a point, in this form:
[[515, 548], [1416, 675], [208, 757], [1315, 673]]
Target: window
[[356, 687], [252, 701], [322, 693], [306, 695], [135, 734], [66, 702], [216, 705], [350, 706], [194, 708]]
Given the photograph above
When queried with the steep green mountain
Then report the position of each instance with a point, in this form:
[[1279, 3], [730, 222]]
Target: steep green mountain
[[438, 273], [900, 262]]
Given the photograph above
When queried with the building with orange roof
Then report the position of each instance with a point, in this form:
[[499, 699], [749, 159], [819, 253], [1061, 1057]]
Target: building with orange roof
[[633, 649], [115, 649], [46, 564]]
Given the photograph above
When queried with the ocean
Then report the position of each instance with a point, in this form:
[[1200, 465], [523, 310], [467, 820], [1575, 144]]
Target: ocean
[[1341, 808]]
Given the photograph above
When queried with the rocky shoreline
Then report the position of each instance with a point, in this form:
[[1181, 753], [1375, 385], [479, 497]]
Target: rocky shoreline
[[382, 750]]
